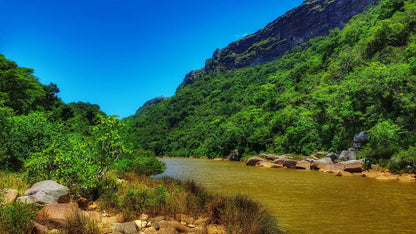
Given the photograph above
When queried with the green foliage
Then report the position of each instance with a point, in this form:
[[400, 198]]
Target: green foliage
[[139, 165], [69, 161], [17, 218], [404, 161], [315, 98], [385, 141]]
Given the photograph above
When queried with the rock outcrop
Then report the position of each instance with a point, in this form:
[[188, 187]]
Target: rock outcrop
[[311, 19]]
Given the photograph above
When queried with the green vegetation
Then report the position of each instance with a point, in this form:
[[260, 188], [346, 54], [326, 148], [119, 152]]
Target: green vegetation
[[360, 78], [74, 144], [17, 218]]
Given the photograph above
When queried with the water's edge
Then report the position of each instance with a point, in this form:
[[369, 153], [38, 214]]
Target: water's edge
[[308, 201]]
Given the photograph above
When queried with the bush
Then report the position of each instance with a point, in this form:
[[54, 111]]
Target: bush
[[242, 215], [17, 218], [139, 165], [385, 141], [69, 161], [404, 161]]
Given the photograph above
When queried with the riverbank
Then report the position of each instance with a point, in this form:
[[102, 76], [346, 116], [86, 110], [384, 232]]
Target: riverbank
[[328, 164], [130, 204]]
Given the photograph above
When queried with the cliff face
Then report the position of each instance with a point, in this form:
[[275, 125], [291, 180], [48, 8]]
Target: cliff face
[[311, 19]]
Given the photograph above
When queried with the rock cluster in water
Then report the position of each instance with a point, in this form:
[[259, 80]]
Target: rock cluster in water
[[330, 163]]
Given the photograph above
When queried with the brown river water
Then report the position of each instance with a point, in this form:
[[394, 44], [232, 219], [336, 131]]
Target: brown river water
[[309, 201]]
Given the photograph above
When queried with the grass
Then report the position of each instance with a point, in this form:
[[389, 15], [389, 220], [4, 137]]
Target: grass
[[78, 223], [17, 218], [13, 180]]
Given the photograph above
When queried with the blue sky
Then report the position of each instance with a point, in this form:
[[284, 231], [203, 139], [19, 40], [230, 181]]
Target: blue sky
[[120, 53]]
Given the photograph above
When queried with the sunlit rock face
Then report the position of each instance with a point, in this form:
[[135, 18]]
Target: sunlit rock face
[[311, 19]]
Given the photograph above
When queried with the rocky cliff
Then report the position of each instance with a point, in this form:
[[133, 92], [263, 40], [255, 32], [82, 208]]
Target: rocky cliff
[[311, 19]]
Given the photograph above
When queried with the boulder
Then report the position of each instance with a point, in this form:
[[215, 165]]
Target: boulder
[[173, 224], [46, 192], [360, 140], [265, 164], [332, 156], [303, 165], [334, 168], [289, 163], [125, 228], [57, 214], [321, 163], [353, 166], [39, 228], [269, 156], [9, 196], [346, 155], [280, 160], [254, 160]]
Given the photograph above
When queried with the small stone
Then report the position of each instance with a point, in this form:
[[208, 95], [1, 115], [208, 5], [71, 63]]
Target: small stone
[[144, 217], [140, 224]]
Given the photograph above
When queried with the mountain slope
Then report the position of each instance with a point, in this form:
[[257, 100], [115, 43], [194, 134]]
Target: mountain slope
[[360, 78], [311, 19]]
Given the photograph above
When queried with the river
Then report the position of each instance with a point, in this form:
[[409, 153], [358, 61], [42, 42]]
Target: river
[[309, 201]]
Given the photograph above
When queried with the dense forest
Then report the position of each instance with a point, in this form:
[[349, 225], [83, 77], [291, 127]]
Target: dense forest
[[74, 144], [315, 98]]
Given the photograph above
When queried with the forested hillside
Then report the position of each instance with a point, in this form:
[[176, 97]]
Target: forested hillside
[[74, 144], [360, 78]]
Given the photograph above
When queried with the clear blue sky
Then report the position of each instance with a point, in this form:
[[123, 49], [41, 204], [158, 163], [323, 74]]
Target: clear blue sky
[[120, 53]]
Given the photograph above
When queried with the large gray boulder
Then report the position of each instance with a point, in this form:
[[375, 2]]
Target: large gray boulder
[[361, 139], [347, 155], [46, 192]]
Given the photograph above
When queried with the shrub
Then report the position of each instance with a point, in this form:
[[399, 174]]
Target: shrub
[[17, 218], [385, 141], [139, 165], [404, 161], [241, 214]]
